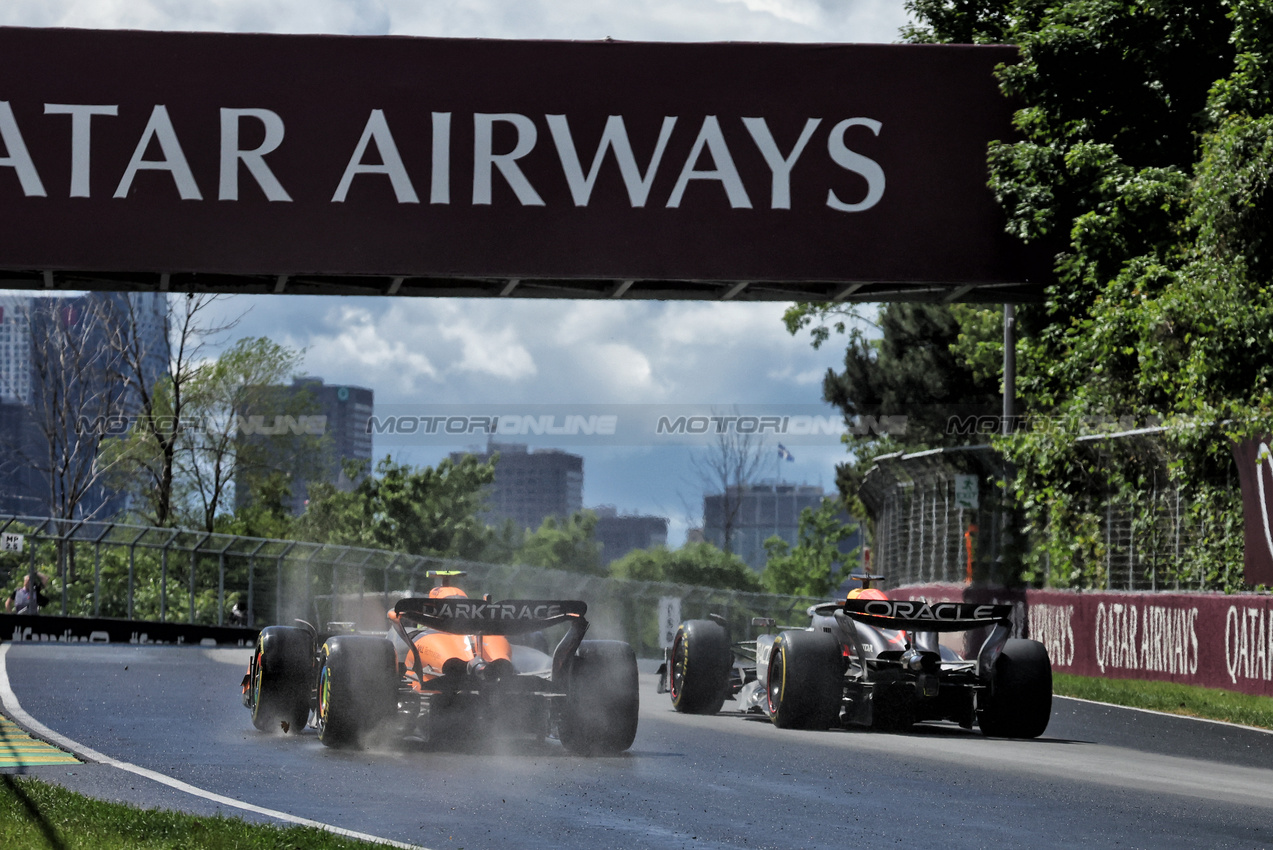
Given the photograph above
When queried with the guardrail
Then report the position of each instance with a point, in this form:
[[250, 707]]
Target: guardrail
[[171, 575]]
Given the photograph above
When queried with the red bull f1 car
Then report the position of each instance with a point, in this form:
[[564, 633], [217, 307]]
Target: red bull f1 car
[[868, 661], [447, 671]]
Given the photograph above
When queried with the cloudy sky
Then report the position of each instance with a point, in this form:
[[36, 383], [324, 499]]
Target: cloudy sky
[[418, 351]]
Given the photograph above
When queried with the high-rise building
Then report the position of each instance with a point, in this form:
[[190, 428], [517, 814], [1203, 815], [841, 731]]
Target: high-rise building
[[620, 534], [756, 512], [307, 430], [15, 349], [60, 375], [531, 485]]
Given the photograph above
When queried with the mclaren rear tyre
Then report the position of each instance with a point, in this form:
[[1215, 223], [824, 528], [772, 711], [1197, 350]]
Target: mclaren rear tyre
[[701, 659], [282, 674], [1020, 698], [599, 716], [806, 680], [357, 689]]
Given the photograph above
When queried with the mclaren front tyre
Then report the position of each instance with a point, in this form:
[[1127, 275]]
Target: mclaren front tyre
[[282, 675], [599, 716], [1019, 701], [357, 689], [700, 664], [806, 680]]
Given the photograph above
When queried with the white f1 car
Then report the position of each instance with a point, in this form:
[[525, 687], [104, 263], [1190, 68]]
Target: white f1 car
[[869, 661]]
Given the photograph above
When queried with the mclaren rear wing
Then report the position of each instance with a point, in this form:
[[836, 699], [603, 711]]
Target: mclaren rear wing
[[463, 616]]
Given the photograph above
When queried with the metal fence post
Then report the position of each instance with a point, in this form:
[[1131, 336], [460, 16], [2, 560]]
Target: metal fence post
[[97, 578], [221, 579], [221, 588], [251, 612], [132, 562], [193, 555]]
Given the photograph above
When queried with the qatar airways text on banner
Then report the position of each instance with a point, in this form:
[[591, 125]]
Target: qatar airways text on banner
[[238, 154], [1213, 640]]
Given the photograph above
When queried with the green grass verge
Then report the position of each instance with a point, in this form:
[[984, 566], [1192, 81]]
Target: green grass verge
[[36, 815], [1170, 697]]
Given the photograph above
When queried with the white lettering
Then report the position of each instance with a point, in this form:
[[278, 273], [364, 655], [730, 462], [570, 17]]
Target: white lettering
[[485, 160], [855, 162], [780, 166], [377, 128], [232, 154], [440, 185], [614, 137], [18, 158], [1231, 623], [160, 127], [81, 116], [710, 137]]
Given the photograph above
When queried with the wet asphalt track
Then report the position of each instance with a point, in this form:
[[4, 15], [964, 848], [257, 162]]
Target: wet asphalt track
[[1099, 777]]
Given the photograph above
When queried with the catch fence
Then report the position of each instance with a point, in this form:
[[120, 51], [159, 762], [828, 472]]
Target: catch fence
[[103, 569], [937, 516], [942, 516]]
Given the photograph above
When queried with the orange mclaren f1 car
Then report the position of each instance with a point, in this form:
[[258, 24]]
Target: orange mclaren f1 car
[[450, 667]]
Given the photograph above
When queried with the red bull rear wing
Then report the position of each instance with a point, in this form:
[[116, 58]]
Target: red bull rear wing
[[918, 615]]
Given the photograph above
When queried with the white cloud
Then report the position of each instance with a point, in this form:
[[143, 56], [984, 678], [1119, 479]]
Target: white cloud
[[803, 13], [630, 20], [812, 376], [497, 353], [355, 346], [710, 323], [628, 370]]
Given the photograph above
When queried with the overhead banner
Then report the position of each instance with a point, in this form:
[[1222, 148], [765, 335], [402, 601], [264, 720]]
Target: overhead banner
[[232, 154]]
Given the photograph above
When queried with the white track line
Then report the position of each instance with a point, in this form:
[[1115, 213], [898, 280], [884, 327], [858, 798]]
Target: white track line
[[10, 702]]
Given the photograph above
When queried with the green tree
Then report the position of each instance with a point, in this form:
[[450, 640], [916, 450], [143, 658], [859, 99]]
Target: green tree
[[1143, 167], [910, 371], [419, 511], [211, 453], [266, 514], [815, 565], [568, 544], [697, 564], [158, 383]]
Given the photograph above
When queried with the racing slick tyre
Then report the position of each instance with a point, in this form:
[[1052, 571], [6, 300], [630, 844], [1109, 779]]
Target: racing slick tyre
[[699, 675], [600, 712], [357, 689], [1020, 703], [806, 680], [281, 677]]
